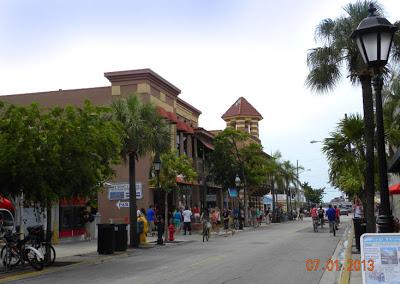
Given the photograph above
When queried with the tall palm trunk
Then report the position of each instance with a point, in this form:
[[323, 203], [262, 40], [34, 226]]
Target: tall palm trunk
[[134, 240], [369, 126]]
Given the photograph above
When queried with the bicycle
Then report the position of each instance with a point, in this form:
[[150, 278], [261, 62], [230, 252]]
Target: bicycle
[[206, 230], [16, 252], [42, 244]]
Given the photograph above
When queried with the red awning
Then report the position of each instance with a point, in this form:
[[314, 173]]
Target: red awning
[[172, 117], [162, 112], [181, 126], [205, 143], [6, 204], [394, 189]]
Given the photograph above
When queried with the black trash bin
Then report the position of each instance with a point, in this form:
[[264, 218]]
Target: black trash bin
[[106, 238], [121, 237], [358, 230]]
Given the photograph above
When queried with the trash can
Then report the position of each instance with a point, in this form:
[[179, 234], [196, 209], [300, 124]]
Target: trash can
[[358, 230], [106, 238], [121, 237]]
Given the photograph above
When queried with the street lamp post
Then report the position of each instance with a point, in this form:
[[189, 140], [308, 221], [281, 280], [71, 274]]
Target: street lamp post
[[238, 183], [160, 224], [374, 36]]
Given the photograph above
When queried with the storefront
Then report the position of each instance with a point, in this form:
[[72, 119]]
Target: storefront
[[71, 218]]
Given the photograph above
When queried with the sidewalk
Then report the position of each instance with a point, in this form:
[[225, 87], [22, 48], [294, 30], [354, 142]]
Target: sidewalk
[[70, 254]]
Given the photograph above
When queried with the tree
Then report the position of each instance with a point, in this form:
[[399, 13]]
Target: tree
[[56, 153], [327, 64], [173, 166], [289, 175], [312, 195], [391, 116], [235, 154], [345, 152], [144, 131]]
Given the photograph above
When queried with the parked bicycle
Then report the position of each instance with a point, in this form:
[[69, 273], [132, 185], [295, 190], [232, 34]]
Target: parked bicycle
[[16, 251], [41, 240]]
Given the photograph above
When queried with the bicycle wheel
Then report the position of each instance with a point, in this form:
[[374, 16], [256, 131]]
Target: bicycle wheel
[[48, 252], [34, 259], [9, 257]]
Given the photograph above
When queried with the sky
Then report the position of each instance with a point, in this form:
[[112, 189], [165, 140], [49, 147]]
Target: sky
[[213, 50]]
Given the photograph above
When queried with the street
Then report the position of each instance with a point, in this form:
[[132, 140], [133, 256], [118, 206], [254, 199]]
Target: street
[[271, 254]]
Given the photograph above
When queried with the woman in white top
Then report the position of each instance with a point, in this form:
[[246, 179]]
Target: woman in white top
[[357, 210]]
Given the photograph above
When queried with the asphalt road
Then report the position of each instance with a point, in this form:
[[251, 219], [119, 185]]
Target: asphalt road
[[273, 254]]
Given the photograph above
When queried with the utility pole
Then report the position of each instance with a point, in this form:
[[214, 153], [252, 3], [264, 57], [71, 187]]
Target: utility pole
[[298, 186]]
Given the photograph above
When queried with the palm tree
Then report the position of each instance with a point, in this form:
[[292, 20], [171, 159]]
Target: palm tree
[[289, 176], [144, 131], [345, 152], [327, 64], [391, 115]]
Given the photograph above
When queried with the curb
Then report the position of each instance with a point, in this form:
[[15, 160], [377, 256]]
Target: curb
[[345, 274]]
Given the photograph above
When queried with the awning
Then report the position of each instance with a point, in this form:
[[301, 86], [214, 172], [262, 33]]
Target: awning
[[181, 126], [394, 189], [172, 117], [6, 204], [205, 143]]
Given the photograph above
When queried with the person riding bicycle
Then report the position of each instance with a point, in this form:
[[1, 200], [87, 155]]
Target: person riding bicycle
[[321, 213]]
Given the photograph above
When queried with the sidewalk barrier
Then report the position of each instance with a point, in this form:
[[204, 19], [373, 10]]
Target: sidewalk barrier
[[121, 237], [106, 238]]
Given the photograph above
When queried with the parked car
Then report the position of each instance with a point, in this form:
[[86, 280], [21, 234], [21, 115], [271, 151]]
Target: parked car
[[344, 211]]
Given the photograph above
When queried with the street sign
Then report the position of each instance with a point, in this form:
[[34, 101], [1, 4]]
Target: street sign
[[122, 204], [380, 256], [233, 192], [120, 191]]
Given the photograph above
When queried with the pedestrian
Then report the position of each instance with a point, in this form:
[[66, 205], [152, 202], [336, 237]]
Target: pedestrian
[[177, 220], [267, 217], [196, 213], [331, 214], [187, 215], [321, 213], [337, 216], [301, 213], [143, 230], [87, 219], [150, 219], [225, 216], [357, 210], [253, 215]]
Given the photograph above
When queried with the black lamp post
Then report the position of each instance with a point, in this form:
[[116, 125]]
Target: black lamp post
[[374, 36], [238, 183], [160, 222]]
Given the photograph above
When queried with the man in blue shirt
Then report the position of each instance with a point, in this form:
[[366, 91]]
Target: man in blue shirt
[[331, 214], [150, 219]]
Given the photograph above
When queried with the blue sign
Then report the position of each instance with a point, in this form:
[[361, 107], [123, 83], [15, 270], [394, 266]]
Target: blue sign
[[267, 200], [233, 192]]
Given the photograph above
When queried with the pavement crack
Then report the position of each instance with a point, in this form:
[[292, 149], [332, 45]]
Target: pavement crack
[[232, 279]]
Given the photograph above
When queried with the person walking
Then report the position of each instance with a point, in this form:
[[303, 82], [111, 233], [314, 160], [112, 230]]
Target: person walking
[[142, 219], [225, 216], [321, 214], [196, 212], [337, 215], [331, 214], [177, 220], [314, 217], [187, 218], [150, 219], [357, 210], [253, 214], [301, 214]]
